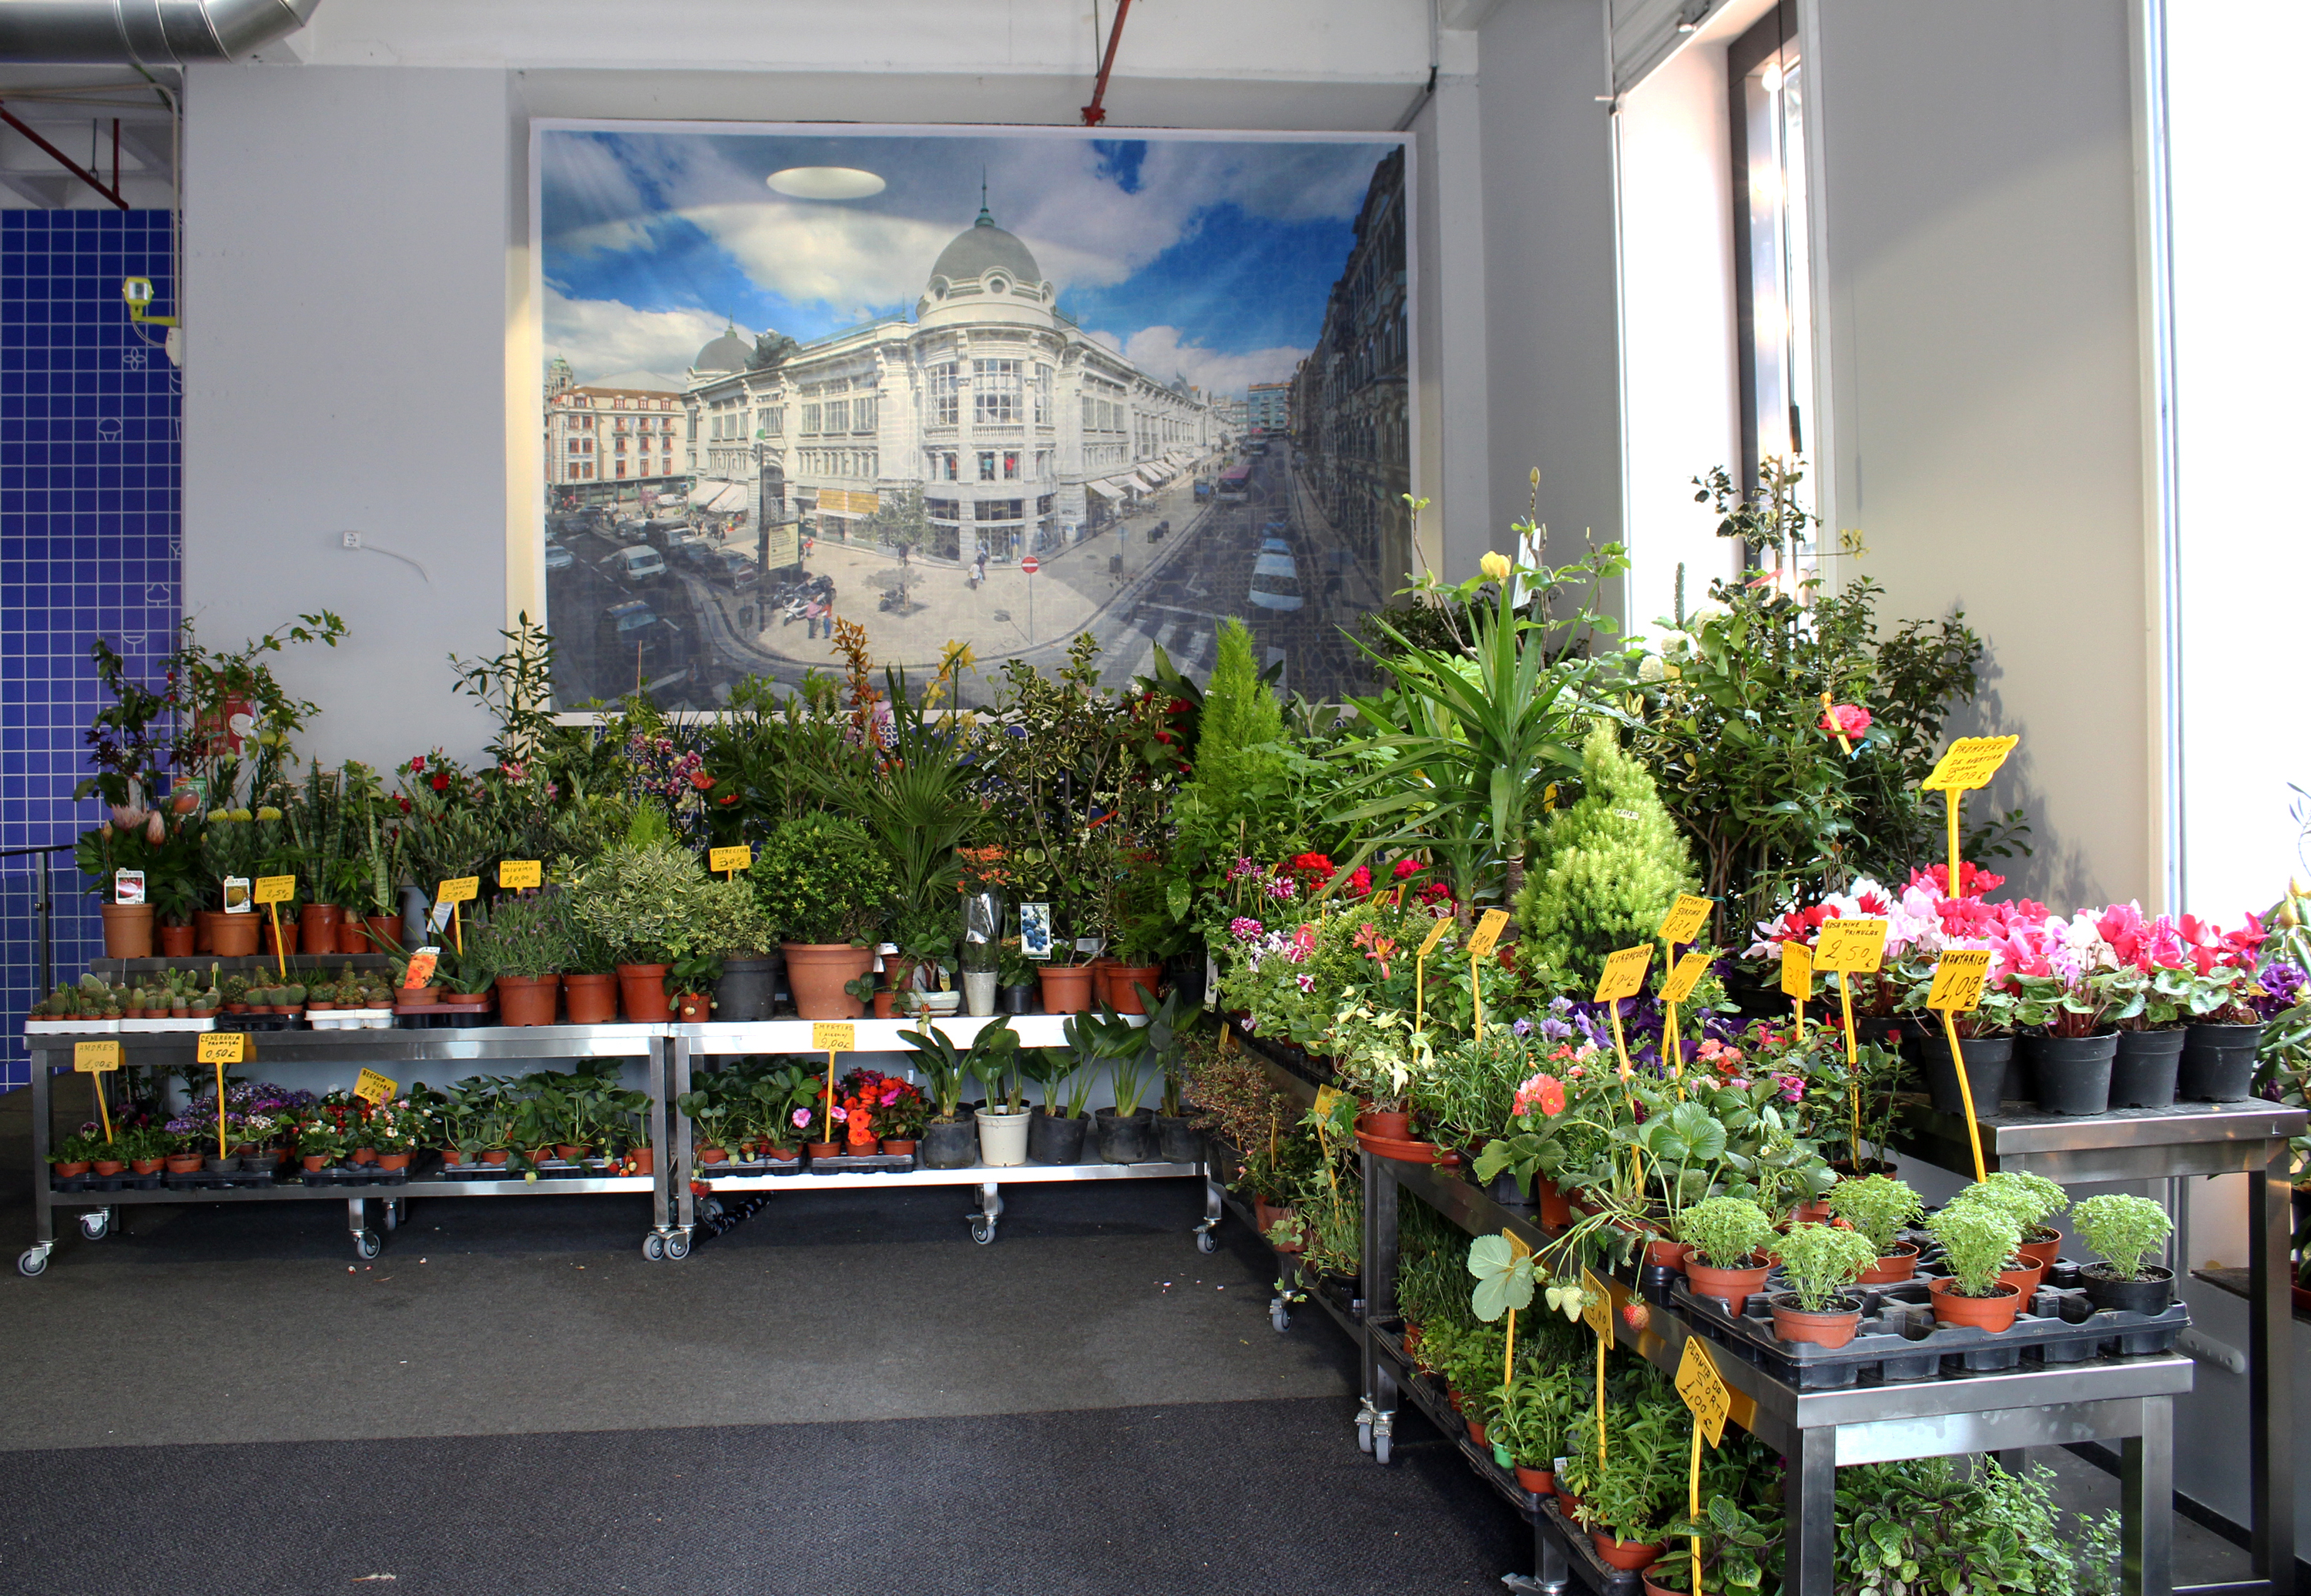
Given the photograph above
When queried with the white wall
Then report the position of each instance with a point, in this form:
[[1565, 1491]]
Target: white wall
[[1980, 299]]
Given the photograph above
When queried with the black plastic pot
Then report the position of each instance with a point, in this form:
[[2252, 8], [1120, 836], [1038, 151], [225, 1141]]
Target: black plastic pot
[[748, 989], [2150, 1294], [2143, 1074], [1986, 1059], [2074, 1073], [949, 1146], [2022, 1073], [1177, 1139], [1125, 1140], [1184, 971], [2218, 1063], [1055, 1141], [1021, 1000]]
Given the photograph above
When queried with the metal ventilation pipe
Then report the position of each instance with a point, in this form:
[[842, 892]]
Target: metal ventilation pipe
[[149, 32]]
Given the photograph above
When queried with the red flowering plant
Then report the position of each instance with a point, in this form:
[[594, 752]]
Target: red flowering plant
[[895, 1107]]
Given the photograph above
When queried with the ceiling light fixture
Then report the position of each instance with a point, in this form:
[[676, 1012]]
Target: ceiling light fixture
[[826, 182]]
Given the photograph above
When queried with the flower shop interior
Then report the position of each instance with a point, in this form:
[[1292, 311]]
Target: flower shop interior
[[1722, 1010]]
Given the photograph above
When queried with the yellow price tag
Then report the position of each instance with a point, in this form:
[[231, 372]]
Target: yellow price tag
[[223, 1047], [1704, 1388], [96, 1058], [1597, 1311], [1625, 973], [273, 889], [1684, 918], [375, 1088], [516, 874], [739, 857], [1684, 977], [1326, 1096], [1850, 946], [462, 889], [1518, 1249], [1435, 935], [1969, 764], [1487, 933], [1797, 971], [1957, 979], [826, 1038]]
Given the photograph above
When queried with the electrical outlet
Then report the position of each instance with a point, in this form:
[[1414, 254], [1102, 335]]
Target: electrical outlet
[[353, 540]]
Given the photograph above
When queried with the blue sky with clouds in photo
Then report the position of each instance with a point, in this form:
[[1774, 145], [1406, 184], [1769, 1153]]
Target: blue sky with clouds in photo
[[1212, 258]]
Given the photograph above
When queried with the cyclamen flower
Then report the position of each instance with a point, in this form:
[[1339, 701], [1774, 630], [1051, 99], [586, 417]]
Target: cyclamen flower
[[801, 1117]]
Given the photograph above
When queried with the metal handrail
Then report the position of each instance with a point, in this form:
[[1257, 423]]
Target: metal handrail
[[45, 903]]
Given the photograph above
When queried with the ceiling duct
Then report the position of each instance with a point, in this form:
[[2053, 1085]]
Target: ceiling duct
[[148, 33]]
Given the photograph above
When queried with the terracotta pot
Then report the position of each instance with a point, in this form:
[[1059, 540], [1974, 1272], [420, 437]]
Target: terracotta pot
[[233, 936], [591, 999], [383, 932], [528, 999], [1556, 1213], [1627, 1555], [1895, 1268], [322, 1008], [108, 1167], [468, 1000], [394, 1160], [1402, 1148], [1122, 982], [496, 1155], [1475, 1431], [817, 973], [784, 1155], [1265, 1214], [1811, 1213], [176, 942], [1834, 1327], [643, 1159], [1736, 1287], [286, 940], [1993, 1313], [316, 926], [127, 930], [714, 1155], [201, 920], [643, 994], [2042, 1248], [1665, 1255], [1540, 1482], [1653, 1588], [899, 972], [822, 1149], [66, 1171], [884, 997], [898, 1146], [2025, 1277], [1067, 988], [1395, 1125], [365, 1155], [416, 996], [184, 1164], [144, 1167], [313, 1161], [569, 1153], [693, 1008]]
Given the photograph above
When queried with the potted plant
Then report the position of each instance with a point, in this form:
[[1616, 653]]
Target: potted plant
[[2078, 1042], [1626, 1506], [1818, 1262], [2125, 1230], [1881, 1208], [900, 1122], [1725, 1238], [826, 887], [2218, 1048], [1003, 1122], [646, 900], [950, 1139], [1126, 1132], [1977, 1240], [1529, 1419], [708, 1106], [982, 925], [2031, 1200], [526, 943], [1016, 972], [689, 981], [589, 981], [735, 932], [1985, 1042], [1055, 1131], [319, 1143]]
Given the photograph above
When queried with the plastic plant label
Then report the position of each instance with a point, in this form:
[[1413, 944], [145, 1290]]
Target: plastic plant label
[[460, 889], [1625, 972], [237, 900], [129, 887], [1850, 946], [1684, 977], [514, 874], [375, 1088], [1518, 1251], [223, 1047], [1959, 976], [1481, 940], [1326, 1096], [740, 856], [1596, 1311], [1684, 918], [273, 889], [1797, 971], [96, 1058], [1969, 764], [826, 1038], [1435, 935], [1704, 1388]]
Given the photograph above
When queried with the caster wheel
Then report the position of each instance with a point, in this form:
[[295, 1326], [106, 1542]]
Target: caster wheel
[[1380, 1450], [1206, 1241], [1364, 1437], [367, 1245], [677, 1248], [32, 1260], [96, 1224], [654, 1247], [982, 1231], [393, 1214], [1279, 1318]]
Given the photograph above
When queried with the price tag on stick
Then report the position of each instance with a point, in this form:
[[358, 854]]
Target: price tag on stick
[[1684, 920], [375, 1088], [1705, 1392], [1969, 764], [1675, 990], [96, 1059], [518, 875], [1420, 971], [1958, 977], [1597, 1313], [1797, 980], [221, 1048], [1850, 946], [727, 862], [273, 891], [1518, 1253], [1624, 976], [1481, 942]]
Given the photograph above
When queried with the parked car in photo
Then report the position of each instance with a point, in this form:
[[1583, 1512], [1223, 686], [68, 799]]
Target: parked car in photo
[[733, 570], [691, 548], [1274, 546], [622, 629], [1275, 583], [636, 563], [558, 558]]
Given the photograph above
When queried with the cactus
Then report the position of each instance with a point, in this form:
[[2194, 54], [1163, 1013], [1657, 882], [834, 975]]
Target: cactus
[[293, 996]]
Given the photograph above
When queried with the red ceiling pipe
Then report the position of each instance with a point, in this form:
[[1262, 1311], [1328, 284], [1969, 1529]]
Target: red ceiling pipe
[[1095, 112]]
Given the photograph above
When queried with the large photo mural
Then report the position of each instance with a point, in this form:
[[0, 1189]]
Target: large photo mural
[[1000, 389]]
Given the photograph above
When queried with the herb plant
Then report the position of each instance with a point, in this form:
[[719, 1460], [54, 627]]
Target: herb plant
[[1878, 1206], [1977, 1239], [1820, 1261], [2125, 1230], [1727, 1232]]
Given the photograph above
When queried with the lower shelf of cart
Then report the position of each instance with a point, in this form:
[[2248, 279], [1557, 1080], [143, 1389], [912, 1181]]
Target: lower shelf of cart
[[977, 1174], [590, 1186]]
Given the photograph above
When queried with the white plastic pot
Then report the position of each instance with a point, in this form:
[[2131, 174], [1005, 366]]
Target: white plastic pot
[[1003, 1137], [979, 992]]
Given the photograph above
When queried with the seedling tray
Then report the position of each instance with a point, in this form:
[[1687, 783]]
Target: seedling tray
[[844, 1162], [1899, 1340], [353, 1174], [753, 1166], [201, 1179]]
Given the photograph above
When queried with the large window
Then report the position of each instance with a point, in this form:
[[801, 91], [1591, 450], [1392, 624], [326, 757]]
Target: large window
[[1773, 286], [809, 418], [838, 417], [943, 395], [995, 391]]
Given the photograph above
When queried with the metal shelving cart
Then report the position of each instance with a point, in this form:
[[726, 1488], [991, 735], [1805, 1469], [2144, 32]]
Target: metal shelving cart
[[794, 1038], [351, 1050], [2171, 1144]]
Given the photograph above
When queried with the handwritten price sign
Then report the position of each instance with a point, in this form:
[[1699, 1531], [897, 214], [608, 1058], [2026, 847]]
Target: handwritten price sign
[[1970, 764], [514, 874], [1796, 971], [825, 1038], [1487, 934], [1850, 946], [1958, 980], [223, 1047], [1683, 978], [1435, 935], [96, 1058], [274, 889], [1684, 920], [1624, 974], [722, 861], [1704, 1388], [461, 889], [375, 1088]]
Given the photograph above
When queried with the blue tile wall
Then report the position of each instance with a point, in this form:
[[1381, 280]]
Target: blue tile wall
[[89, 547]]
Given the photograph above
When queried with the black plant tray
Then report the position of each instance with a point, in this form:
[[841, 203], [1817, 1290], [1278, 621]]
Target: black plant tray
[[437, 1017], [1899, 1339], [846, 1163], [475, 1171], [353, 1174], [201, 1179], [752, 1167], [259, 1022]]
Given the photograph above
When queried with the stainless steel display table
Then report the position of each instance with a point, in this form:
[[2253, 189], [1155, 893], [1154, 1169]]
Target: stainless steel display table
[[2173, 1143], [2129, 1399], [387, 1052], [795, 1037]]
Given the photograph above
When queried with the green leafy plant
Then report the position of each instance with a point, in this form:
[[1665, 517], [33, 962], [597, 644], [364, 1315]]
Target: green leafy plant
[[1503, 1278], [1606, 867], [947, 1067], [1923, 1528], [529, 935], [2029, 1199], [1977, 1239], [1819, 1261], [2125, 1230], [1878, 1206], [645, 901], [822, 878], [1727, 1232]]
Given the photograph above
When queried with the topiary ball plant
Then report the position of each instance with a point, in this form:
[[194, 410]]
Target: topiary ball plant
[[821, 879]]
